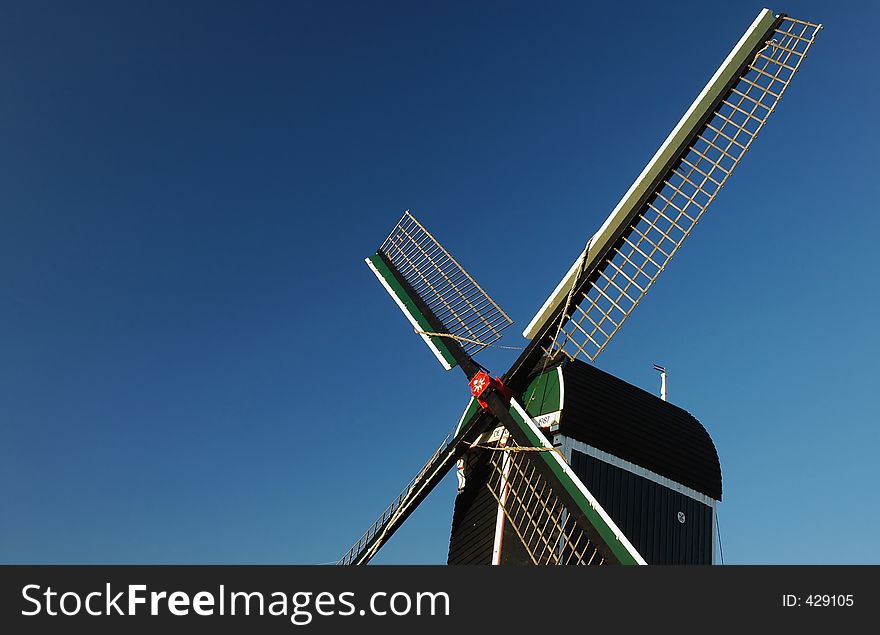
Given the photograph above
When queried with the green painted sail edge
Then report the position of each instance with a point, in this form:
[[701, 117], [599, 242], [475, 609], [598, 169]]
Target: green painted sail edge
[[410, 310], [609, 532], [470, 412]]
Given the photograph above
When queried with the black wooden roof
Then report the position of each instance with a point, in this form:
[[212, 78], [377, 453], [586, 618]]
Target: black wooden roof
[[609, 414]]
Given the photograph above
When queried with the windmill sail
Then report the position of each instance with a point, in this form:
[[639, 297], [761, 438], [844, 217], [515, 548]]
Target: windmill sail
[[422, 484], [420, 274], [641, 235]]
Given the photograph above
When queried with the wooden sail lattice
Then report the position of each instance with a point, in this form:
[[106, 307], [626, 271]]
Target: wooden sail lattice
[[372, 539], [465, 310], [670, 214], [540, 519]]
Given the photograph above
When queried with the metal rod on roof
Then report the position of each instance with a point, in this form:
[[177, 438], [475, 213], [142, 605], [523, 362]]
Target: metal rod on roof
[[660, 369]]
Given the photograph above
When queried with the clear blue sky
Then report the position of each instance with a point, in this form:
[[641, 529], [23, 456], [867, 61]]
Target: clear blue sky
[[196, 366]]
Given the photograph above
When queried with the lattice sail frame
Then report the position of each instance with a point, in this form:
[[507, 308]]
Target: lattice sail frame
[[465, 310], [531, 507], [371, 540], [633, 264]]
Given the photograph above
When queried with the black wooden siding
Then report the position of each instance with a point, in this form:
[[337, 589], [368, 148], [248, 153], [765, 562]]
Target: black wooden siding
[[609, 414], [473, 521], [647, 513]]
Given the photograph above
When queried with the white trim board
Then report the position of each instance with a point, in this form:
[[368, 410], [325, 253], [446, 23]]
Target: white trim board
[[569, 444], [566, 468], [561, 380]]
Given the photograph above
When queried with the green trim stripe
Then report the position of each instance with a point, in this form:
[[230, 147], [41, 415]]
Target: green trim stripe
[[623, 551], [408, 306]]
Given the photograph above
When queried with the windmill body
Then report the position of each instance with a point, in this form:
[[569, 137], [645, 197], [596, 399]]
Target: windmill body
[[649, 463]]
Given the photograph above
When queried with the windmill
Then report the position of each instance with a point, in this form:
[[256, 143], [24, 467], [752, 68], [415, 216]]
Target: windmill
[[537, 448]]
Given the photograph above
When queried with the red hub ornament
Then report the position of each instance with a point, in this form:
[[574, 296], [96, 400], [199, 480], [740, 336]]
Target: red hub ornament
[[481, 382]]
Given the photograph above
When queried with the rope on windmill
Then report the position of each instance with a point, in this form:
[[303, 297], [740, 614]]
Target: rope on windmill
[[467, 340], [518, 448]]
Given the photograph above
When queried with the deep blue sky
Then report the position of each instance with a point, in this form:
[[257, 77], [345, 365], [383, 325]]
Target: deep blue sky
[[197, 367]]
